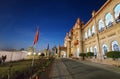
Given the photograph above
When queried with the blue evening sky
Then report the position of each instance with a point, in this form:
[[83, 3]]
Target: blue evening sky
[[20, 18]]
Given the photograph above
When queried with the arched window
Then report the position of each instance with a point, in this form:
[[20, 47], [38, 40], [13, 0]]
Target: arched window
[[89, 32], [115, 46], [93, 30], [117, 13], [87, 49], [101, 25], [95, 51], [91, 49], [86, 35], [109, 19], [105, 49]]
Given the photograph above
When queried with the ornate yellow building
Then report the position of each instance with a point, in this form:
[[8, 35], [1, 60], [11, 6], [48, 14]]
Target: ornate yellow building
[[99, 35]]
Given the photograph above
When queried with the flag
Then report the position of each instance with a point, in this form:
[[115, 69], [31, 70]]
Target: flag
[[36, 36]]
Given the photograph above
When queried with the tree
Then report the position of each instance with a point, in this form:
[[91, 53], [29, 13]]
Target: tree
[[90, 54], [42, 55], [31, 49], [82, 55], [22, 49]]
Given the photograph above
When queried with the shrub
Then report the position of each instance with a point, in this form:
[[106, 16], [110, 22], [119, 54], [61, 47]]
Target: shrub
[[90, 54], [71, 55], [113, 54], [82, 55]]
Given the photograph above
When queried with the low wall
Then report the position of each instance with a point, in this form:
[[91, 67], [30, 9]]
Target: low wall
[[14, 55]]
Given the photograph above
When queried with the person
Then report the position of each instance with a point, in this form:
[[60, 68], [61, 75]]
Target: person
[[4, 58], [0, 60], [95, 56]]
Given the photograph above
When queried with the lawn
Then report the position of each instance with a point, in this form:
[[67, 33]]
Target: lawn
[[14, 66], [22, 68]]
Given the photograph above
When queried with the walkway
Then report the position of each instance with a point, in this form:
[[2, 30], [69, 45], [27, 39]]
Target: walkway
[[74, 69], [59, 71]]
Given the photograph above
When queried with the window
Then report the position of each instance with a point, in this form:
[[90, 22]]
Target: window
[[87, 49], [86, 35], [93, 30], [117, 13], [109, 19], [91, 49], [101, 25], [115, 46], [95, 51], [105, 49], [89, 32]]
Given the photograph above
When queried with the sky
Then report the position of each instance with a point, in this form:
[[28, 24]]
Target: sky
[[19, 20]]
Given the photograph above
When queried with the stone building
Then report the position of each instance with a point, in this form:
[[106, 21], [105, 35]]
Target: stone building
[[99, 35]]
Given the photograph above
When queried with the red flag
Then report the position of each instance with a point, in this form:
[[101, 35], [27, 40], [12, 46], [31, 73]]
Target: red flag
[[36, 36]]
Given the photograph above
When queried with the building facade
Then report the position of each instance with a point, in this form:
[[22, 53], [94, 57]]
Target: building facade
[[99, 35]]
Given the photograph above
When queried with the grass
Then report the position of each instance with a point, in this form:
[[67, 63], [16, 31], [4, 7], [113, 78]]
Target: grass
[[21, 68], [15, 66]]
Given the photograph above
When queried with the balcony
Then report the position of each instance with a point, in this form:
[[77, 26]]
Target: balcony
[[76, 42]]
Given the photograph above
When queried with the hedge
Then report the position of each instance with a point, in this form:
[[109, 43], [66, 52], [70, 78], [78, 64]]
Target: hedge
[[89, 54], [113, 54]]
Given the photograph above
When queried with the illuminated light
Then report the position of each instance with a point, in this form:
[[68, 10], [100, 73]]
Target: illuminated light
[[34, 53], [29, 53], [39, 53]]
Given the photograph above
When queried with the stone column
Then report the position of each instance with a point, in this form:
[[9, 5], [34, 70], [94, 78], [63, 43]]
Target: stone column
[[99, 53], [68, 48]]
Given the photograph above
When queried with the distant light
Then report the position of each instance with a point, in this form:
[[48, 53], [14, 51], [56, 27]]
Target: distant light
[[29, 53], [34, 53], [39, 53]]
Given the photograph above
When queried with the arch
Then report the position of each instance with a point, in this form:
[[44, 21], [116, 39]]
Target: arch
[[104, 49], [109, 19], [101, 25], [77, 52], [115, 46], [117, 11], [63, 54]]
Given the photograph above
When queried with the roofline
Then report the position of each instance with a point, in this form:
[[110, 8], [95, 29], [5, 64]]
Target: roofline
[[104, 5]]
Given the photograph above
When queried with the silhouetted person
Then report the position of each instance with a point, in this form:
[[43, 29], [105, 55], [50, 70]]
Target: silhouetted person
[[4, 58], [0, 60]]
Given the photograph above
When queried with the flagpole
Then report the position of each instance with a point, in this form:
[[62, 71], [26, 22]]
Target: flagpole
[[34, 43], [33, 56]]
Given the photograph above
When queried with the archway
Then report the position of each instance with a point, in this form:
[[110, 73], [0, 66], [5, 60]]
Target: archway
[[63, 54], [77, 52]]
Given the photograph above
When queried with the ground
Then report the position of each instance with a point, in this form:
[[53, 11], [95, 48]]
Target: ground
[[75, 69]]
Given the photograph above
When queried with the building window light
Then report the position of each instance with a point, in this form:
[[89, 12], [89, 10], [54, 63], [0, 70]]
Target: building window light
[[101, 29]]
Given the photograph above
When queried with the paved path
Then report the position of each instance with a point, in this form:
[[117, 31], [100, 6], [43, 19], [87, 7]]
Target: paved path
[[59, 71], [72, 69]]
